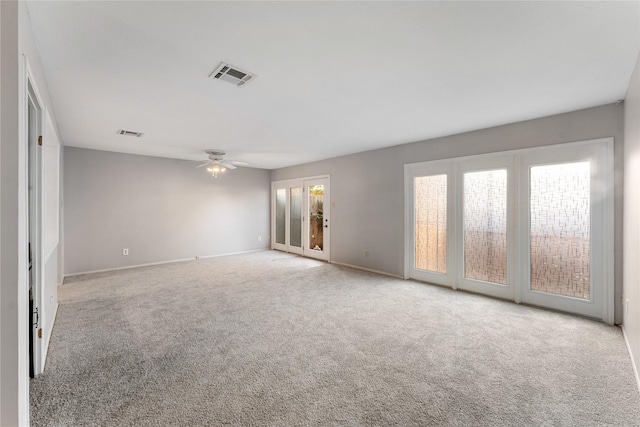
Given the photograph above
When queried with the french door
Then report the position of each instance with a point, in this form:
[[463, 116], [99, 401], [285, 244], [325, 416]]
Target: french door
[[534, 226], [301, 217]]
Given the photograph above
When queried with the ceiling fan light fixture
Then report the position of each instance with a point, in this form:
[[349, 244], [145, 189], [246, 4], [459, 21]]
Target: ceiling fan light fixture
[[217, 164], [216, 168]]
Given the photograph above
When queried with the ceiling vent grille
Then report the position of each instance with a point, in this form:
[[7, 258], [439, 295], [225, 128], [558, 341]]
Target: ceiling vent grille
[[232, 74], [130, 133]]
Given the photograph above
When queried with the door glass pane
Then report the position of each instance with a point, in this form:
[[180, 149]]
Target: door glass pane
[[295, 221], [560, 229], [485, 226], [316, 195], [281, 205], [431, 223]]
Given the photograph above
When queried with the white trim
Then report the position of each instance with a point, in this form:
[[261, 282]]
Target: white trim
[[304, 178], [517, 151], [161, 262], [38, 266], [633, 362], [408, 225], [371, 270], [608, 222], [23, 238]]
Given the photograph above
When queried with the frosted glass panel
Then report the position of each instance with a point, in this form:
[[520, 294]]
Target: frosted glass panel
[[281, 205], [295, 221], [560, 229], [485, 226], [431, 223]]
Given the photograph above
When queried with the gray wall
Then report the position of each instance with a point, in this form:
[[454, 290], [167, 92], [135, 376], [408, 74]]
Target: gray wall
[[160, 209], [368, 188], [12, 352], [631, 321]]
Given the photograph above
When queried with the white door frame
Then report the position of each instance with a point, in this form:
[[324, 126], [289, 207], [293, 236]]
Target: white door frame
[[519, 218], [34, 170], [436, 167], [506, 291], [307, 250], [601, 190], [287, 185]]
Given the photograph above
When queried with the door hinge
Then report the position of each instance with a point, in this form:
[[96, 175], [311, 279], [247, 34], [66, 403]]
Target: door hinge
[[40, 333], [40, 140]]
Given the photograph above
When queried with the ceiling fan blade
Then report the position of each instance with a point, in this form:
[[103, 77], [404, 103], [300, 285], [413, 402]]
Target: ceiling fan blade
[[233, 162], [208, 162], [227, 165]]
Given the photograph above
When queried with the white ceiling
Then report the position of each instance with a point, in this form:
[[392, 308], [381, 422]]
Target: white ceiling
[[333, 77]]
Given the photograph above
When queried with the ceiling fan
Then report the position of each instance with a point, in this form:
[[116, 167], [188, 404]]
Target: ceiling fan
[[217, 164]]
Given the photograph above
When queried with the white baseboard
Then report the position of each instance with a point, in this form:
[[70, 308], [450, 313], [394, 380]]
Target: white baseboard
[[633, 362], [357, 267], [163, 262]]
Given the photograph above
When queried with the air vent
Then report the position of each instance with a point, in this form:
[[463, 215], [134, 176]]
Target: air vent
[[232, 74], [130, 133]]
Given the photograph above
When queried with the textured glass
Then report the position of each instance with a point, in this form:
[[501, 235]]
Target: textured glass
[[560, 229], [281, 206], [295, 221], [316, 195], [485, 226], [431, 223]]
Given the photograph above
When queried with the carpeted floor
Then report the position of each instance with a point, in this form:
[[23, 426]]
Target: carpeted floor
[[278, 340]]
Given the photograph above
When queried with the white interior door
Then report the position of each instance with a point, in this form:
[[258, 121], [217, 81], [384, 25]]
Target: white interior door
[[316, 218]]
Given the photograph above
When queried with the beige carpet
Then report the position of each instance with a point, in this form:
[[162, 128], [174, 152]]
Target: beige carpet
[[270, 339]]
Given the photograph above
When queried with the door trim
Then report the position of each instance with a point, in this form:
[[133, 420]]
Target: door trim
[[325, 253], [606, 276], [288, 184], [32, 95]]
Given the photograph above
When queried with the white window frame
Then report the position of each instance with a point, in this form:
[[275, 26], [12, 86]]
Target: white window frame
[[518, 225]]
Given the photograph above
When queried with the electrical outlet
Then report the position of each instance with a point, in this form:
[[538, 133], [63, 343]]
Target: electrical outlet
[[366, 253], [259, 238], [125, 251]]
